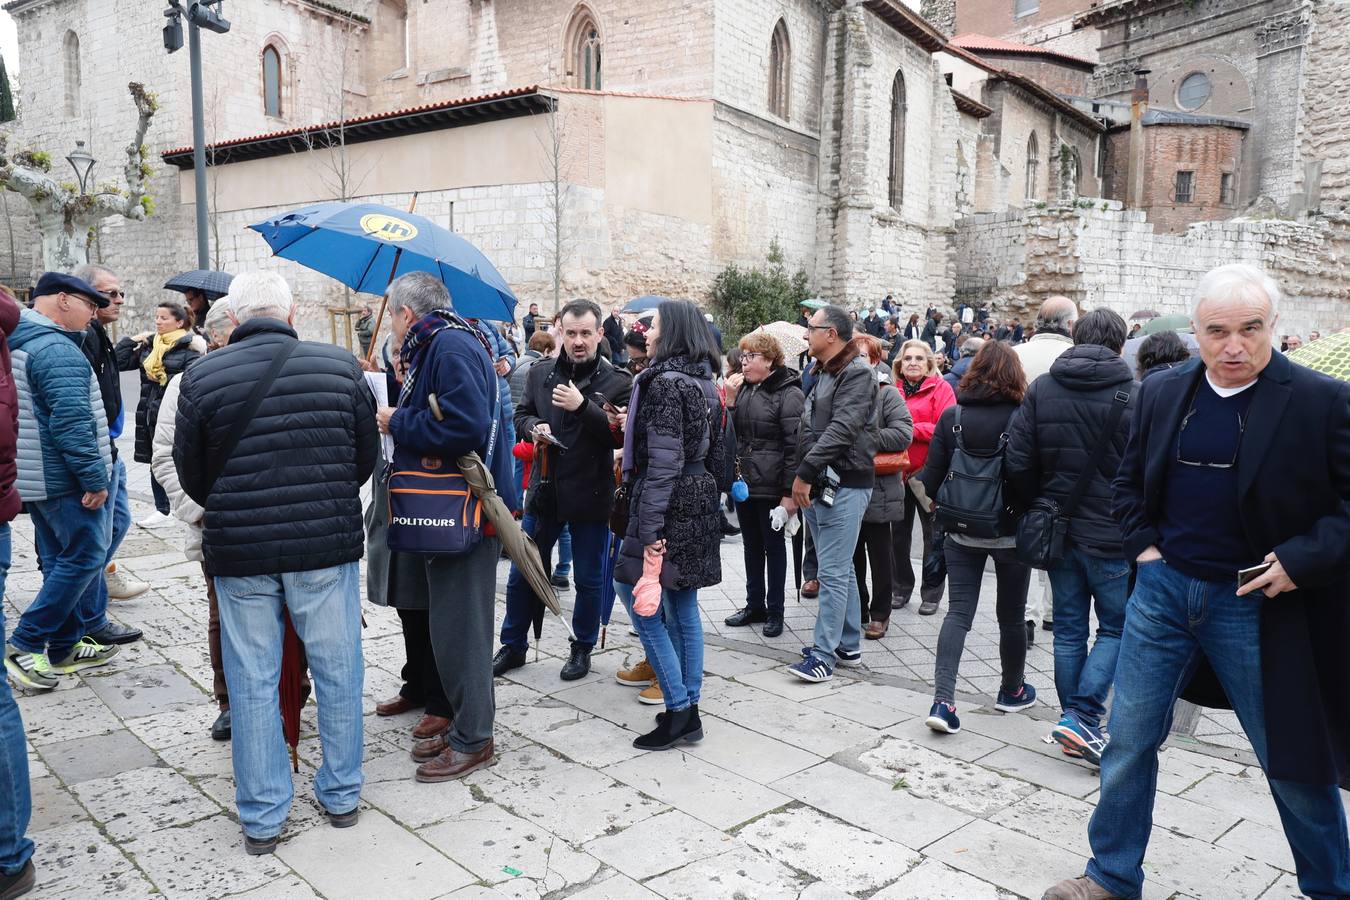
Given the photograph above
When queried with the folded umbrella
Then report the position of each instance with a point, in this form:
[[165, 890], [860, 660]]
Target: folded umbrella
[[290, 688], [210, 282]]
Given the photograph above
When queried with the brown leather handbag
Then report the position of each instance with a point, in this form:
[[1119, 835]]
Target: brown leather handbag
[[891, 463]]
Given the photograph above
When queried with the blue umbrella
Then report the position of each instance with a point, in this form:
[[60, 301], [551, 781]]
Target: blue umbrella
[[365, 246], [644, 304]]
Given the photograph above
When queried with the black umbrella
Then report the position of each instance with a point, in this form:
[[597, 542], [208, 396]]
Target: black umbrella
[[210, 282]]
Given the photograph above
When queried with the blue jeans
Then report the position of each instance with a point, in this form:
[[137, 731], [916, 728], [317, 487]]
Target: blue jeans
[[16, 802], [1082, 678], [592, 543], [564, 566], [94, 602], [72, 543], [834, 530], [673, 639], [1170, 619], [325, 605]]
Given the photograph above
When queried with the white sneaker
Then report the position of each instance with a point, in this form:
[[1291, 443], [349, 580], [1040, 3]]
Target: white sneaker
[[156, 519], [120, 586]]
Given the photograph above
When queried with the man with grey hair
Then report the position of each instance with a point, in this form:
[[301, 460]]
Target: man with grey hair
[[836, 449], [445, 411], [274, 438], [98, 349], [1234, 500]]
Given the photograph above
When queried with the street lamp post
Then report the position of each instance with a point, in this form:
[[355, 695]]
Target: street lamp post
[[83, 164], [199, 15]]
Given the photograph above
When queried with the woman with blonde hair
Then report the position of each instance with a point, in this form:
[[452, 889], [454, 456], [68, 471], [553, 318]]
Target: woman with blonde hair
[[926, 395], [765, 400]]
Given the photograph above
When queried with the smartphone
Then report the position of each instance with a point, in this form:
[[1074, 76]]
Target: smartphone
[[605, 404], [550, 440], [1252, 573]]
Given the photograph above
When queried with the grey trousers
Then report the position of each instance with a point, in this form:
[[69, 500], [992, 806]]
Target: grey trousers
[[462, 591]]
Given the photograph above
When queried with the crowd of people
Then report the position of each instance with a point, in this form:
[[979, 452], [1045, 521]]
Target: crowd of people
[[1198, 509]]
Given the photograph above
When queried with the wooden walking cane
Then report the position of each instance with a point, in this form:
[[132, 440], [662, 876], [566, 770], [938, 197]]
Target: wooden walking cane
[[384, 300]]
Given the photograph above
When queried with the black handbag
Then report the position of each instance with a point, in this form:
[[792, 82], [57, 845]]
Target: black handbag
[[971, 500], [1044, 527]]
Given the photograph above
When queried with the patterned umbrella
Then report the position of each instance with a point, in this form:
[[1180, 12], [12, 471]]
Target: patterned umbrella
[[210, 282], [1329, 355], [791, 338]]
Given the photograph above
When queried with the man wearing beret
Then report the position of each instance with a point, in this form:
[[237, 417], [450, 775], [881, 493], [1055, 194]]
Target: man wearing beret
[[64, 464]]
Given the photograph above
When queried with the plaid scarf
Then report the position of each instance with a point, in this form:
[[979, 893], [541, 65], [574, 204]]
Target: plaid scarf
[[419, 338]]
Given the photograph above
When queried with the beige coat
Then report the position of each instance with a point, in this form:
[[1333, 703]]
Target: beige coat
[[1039, 354], [162, 467]]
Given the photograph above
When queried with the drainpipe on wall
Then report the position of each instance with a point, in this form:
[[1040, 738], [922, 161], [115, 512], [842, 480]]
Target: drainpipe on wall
[[1134, 179]]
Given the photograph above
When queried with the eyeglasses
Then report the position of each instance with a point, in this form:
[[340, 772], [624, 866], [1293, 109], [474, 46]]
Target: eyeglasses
[[114, 293], [1237, 445], [92, 305], [635, 365], [752, 356], [819, 327]]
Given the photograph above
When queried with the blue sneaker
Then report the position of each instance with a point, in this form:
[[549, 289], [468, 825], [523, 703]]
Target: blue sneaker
[[1025, 696], [850, 659], [942, 718], [1074, 734], [811, 668]]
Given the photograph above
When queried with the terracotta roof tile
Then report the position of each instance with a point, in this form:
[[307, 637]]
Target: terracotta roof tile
[[977, 43]]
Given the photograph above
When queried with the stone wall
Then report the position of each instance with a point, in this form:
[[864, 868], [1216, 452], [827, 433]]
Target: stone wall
[[742, 33], [1101, 255], [1324, 128]]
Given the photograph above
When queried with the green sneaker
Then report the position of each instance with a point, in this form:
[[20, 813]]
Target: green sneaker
[[32, 670], [87, 654]]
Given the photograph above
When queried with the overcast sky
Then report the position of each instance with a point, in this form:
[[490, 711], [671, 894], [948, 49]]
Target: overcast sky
[[9, 43]]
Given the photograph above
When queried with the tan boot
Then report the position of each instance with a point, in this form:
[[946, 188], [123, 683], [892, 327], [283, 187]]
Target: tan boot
[[640, 675], [1080, 888], [652, 696]]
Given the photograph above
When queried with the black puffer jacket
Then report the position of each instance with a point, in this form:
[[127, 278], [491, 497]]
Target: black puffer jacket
[[669, 501], [767, 415], [288, 499], [1053, 435], [131, 355], [98, 349], [583, 476]]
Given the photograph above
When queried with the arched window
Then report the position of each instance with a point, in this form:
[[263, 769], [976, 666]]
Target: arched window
[[71, 52], [780, 72], [271, 72], [584, 63], [897, 185], [1033, 162]]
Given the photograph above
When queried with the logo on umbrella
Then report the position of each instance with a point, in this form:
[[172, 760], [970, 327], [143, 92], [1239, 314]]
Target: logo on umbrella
[[387, 227]]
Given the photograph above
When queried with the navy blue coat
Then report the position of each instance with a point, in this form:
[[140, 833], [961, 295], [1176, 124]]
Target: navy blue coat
[[1294, 477]]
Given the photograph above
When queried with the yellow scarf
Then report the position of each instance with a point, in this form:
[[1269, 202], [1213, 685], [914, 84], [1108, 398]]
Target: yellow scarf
[[159, 345]]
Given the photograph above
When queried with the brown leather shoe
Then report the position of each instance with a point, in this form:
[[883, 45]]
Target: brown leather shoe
[[452, 764], [876, 630], [396, 705], [425, 751], [811, 589], [430, 726], [1080, 888]]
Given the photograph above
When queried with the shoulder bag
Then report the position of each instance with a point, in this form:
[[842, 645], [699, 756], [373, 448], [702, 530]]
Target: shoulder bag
[[255, 399], [971, 500], [1043, 529]]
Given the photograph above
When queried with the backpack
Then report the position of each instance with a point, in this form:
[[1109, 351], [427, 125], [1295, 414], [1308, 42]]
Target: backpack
[[971, 499]]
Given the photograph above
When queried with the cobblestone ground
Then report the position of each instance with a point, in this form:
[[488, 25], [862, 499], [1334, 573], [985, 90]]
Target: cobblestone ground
[[811, 791]]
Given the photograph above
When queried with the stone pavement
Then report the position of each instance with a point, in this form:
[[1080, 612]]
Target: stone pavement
[[810, 791]]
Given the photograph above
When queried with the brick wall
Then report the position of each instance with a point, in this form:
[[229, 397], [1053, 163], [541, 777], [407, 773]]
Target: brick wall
[[1208, 151], [1060, 78], [995, 17]]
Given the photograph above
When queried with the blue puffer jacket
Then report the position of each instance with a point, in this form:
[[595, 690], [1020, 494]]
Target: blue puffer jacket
[[63, 427]]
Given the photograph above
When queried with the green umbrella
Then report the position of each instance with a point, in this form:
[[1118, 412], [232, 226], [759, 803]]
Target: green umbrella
[[813, 303], [1329, 355], [1173, 322]]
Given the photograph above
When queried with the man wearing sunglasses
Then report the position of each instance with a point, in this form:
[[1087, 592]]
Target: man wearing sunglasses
[[1234, 500]]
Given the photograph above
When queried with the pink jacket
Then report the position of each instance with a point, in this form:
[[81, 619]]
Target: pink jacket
[[926, 406]]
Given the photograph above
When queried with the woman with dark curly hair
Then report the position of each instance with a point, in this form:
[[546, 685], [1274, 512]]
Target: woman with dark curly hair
[[1160, 352], [986, 399], [672, 445]]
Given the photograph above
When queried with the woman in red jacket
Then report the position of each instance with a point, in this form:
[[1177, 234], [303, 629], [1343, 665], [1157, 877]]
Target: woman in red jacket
[[927, 395]]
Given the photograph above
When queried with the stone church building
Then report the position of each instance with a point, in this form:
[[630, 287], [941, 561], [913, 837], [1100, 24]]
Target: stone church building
[[629, 146]]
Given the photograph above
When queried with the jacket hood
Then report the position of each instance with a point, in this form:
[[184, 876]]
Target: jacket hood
[[33, 325], [9, 314], [1090, 367]]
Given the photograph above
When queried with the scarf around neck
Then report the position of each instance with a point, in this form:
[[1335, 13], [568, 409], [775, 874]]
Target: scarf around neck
[[160, 345], [418, 339]]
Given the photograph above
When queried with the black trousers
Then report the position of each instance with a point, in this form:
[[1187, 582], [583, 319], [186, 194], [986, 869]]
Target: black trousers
[[421, 681], [764, 547], [902, 567], [874, 545]]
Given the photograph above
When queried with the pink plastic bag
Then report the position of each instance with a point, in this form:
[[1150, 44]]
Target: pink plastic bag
[[647, 592]]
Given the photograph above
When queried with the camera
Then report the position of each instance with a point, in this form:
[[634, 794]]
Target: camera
[[829, 486]]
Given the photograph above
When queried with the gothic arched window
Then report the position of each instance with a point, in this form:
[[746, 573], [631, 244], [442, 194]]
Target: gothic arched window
[[584, 63], [271, 73], [780, 72], [1033, 162], [897, 174], [71, 54]]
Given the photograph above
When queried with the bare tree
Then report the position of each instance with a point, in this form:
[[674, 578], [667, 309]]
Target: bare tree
[[64, 215], [558, 238]]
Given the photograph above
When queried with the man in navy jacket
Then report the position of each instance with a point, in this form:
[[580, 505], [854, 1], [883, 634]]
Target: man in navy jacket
[[1240, 462]]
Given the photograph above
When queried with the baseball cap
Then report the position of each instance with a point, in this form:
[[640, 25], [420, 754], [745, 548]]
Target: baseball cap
[[61, 283]]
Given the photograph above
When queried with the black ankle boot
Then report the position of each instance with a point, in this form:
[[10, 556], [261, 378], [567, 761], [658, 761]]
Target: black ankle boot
[[663, 715], [773, 625], [578, 663], [681, 725]]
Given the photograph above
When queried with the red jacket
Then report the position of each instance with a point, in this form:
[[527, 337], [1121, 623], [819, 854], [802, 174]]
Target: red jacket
[[9, 412], [926, 406]]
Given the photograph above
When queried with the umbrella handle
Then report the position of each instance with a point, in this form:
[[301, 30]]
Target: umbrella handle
[[384, 303]]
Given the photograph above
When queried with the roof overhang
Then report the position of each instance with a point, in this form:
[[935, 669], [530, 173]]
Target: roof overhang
[[1031, 87], [909, 23], [970, 105], [414, 120]]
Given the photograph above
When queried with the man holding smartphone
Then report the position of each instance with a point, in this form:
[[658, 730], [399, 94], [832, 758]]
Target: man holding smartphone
[[1238, 462]]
